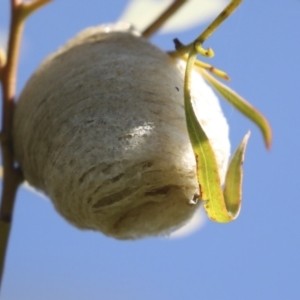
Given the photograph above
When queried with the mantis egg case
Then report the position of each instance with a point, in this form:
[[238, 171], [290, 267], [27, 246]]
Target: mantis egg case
[[100, 128]]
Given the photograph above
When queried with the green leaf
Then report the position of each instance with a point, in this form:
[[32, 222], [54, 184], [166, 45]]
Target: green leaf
[[234, 179], [219, 207], [242, 105]]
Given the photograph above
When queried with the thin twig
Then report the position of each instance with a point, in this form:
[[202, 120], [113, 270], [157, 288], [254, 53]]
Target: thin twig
[[12, 176], [227, 11], [157, 24]]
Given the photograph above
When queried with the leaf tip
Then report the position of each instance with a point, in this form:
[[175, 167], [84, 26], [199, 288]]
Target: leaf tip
[[245, 139], [268, 139]]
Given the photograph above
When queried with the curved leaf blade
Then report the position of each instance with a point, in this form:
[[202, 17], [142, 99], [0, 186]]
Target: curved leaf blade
[[234, 179], [220, 206], [242, 105], [207, 169]]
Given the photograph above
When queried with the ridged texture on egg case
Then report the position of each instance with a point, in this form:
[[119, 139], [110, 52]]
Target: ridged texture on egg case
[[100, 127]]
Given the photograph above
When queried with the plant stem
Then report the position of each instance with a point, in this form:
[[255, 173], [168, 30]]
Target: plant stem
[[11, 175], [227, 11], [156, 25]]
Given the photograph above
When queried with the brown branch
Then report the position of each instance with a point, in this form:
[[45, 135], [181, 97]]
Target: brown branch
[[29, 8], [12, 176], [157, 24]]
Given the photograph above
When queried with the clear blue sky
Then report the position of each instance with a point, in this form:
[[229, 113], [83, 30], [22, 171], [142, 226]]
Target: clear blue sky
[[255, 257]]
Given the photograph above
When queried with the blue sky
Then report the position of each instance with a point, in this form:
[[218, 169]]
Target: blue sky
[[255, 257]]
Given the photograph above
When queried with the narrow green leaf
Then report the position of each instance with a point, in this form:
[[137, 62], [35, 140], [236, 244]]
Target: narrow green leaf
[[207, 168], [220, 207], [242, 105], [234, 178]]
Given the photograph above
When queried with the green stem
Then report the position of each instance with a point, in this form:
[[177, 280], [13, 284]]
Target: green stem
[[228, 10]]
